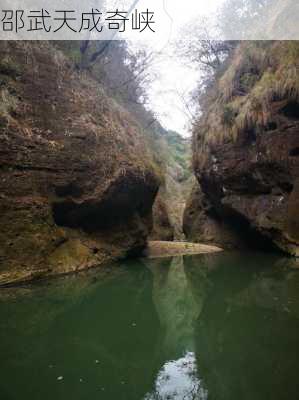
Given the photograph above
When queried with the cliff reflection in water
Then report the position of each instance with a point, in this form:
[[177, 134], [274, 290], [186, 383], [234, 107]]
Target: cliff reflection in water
[[233, 321], [223, 327], [247, 337], [178, 309]]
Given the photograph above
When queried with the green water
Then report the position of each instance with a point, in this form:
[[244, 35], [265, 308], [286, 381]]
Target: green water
[[222, 326]]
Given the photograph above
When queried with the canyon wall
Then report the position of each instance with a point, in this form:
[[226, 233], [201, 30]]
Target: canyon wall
[[173, 154], [246, 152], [77, 183]]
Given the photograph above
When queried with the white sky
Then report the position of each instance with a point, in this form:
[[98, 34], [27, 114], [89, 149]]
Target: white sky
[[174, 78]]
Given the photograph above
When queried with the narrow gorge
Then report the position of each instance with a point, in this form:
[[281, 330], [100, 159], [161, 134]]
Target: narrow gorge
[[149, 201], [81, 172], [79, 175]]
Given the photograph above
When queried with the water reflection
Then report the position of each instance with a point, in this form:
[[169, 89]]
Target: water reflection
[[178, 309], [237, 317], [178, 379], [176, 305], [223, 327], [247, 336]]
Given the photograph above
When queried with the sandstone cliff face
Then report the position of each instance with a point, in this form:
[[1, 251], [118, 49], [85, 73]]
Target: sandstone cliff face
[[169, 208], [162, 225], [246, 152], [202, 224], [173, 154], [76, 185]]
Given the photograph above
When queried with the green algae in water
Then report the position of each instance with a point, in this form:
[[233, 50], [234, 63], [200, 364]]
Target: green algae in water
[[223, 327]]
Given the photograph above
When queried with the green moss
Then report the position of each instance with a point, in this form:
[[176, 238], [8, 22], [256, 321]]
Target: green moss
[[69, 256], [4, 80], [8, 103], [228, 115], [3, 121], [247, 81], [10, 68]]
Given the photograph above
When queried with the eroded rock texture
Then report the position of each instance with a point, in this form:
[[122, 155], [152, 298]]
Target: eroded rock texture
[[202, 224], [162, 226], [77, 185], [246, 153]]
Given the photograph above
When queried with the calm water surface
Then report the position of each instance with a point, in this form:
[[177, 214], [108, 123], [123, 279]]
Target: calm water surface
[[222, 326]]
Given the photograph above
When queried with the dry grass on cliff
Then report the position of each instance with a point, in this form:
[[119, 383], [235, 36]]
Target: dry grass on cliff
[[86, 111], [258, 74]]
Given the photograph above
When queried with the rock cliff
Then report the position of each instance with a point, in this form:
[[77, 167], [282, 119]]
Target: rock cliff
[[77, 185], [173, 154], [246, 152]]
